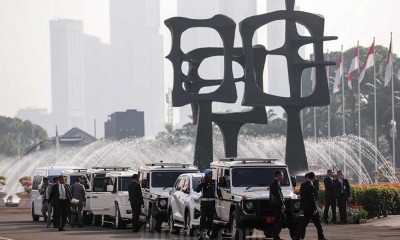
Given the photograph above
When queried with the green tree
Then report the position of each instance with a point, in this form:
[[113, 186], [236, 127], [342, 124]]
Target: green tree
[[17, 135]]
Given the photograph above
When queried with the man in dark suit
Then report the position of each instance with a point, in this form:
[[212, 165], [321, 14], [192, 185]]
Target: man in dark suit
[[330, 199], [309, 207], [342, 193], [60, 197], [136, 199], [277, 203]]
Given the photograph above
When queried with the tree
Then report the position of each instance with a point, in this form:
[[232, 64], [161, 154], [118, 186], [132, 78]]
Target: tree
[[17, 136]]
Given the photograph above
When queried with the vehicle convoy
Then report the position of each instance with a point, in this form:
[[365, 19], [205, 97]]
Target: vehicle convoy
[[37, 181], [245, 204], [157, 180], [184, 204], [88, 174], [109, 199]]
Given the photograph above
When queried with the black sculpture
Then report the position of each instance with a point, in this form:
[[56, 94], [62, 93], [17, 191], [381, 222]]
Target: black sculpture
[[252, 59]]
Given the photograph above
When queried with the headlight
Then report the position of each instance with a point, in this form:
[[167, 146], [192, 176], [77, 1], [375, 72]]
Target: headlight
[[163, 203], [296, 205], [249, 205]]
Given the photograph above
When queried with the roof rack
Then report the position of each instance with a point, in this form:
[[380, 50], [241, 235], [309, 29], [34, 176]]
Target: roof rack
[[162, 164], [80, 169], [111, 168], [244, 160]]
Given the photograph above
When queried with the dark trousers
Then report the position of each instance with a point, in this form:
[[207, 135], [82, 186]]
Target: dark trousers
[[301, 231], [330, 202], [278, 221], [342, 204], [60, 213], [207, 209], [136, 210]]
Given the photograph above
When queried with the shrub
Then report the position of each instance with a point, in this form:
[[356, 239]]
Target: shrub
[[26, 182]]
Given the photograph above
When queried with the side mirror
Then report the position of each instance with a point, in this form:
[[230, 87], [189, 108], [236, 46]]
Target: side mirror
[[40, 186], [294, 181], [110, 188], [222, 183]]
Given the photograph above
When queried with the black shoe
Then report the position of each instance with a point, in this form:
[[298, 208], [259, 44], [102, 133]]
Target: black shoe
[[322, 238], [61, 229]]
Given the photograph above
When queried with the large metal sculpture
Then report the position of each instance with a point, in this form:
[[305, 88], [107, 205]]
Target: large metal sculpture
[[252, 58]]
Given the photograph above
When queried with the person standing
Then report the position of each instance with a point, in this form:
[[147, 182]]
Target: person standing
[[136, 200], [50, 206], [342, 192], [42, 192], [78, 192], [277, 203], [209, 191], [330, 199], [61, 198], [309, 207]]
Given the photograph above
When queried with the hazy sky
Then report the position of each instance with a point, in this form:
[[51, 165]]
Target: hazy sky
[[25, 49]]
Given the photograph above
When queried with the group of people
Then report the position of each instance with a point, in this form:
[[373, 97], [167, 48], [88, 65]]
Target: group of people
[[337, 193], [59, 199]]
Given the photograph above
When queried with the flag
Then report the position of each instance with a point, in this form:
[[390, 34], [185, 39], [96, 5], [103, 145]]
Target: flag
[[353, 67], [389, 65], [338, 75], [57, 139], [369, 62]]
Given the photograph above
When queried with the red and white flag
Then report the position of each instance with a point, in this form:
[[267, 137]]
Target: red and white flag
[[338, 75], [353, 67], [389, 65], [369, 62]]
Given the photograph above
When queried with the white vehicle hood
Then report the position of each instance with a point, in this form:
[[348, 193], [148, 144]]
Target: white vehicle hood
[[257, 193], [162, 193]]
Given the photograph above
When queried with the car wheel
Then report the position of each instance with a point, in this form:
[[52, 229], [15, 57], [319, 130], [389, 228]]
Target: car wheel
[[34, 216], [237, 232], [172, 228], [118, 222]]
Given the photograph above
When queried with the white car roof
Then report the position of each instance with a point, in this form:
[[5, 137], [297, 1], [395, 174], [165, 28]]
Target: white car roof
[[54, 170], [168, 167], [247, 162], [128, 173]]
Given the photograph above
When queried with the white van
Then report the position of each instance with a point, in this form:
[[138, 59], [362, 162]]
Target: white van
[[37, 181]]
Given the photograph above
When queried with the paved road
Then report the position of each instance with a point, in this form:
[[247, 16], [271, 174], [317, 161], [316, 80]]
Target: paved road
[[16, 224]]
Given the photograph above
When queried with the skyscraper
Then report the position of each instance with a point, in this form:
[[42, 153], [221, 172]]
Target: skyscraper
[[137, 60], [67, 74]]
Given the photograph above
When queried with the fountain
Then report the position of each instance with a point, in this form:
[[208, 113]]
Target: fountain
[[338, 151]]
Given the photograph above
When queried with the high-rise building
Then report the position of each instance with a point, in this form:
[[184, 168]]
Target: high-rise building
[[67, 74], [38, 116], [200, 37], [128, 124], [137, 60]]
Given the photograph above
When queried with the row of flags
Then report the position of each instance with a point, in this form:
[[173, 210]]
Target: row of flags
[[368, 63]]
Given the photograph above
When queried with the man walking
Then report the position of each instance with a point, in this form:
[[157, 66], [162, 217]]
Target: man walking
[[342, 192], [136, 200], [330, 199], [309, 207], [42, 192], [60, 197], [79, 193], [277, 203], [50, 205], [209, 191]]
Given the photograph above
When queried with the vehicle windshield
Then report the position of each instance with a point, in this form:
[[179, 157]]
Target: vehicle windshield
[[164, 179], [196, 181], [123, 183], [254, 177]]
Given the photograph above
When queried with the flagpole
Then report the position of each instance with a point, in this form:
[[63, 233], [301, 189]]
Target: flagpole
[[344, 115], [394, 132], [329, 106], [375, 118], [359, 117]]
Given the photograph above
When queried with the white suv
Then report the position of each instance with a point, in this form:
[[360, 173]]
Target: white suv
[[184, 204], [245, 204], [157, 180], [109, 198]]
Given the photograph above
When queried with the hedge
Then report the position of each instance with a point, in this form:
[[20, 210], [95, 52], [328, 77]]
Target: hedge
[[376, 199]]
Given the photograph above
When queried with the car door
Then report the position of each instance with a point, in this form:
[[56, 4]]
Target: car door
[[102, 201], [223, 206], [182, 196], [174, 198], [145, 184]]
